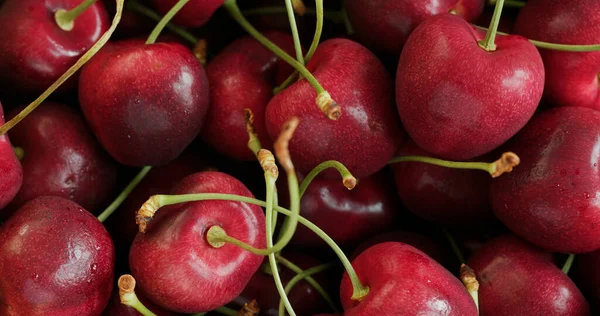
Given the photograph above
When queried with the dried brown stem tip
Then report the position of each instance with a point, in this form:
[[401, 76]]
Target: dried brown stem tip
[[200, 51], [249, 119], [146, 213], [267, 162], [281, 144], [328, 106], [249, 309], [126, 285], [506, 163], [349, 182], [299, 7], [468, 278]]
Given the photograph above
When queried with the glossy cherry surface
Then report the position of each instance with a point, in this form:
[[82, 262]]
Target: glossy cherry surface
[[457, 100], [11, 172], [516, 278], [551, 198], [174, 264], [56, 259]]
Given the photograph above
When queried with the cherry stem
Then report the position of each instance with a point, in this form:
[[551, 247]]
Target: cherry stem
[[506, 163], [509, 3], [488, 42], [155, 202], [253, 141], [73, 69], [127, 295], [165, 20], [333, 16], [66, 19], [567, 266], [294, 268], [294, 28], [299, 277], [147, 12], [348, 179], [19, 152], [249, 309], [311, 50], [469, 279], [454, 246], [124, 194], [323, 100]]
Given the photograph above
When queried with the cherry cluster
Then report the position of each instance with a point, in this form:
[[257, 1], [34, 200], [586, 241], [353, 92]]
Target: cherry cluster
[[129, 185]]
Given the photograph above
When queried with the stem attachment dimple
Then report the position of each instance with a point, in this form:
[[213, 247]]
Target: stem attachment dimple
[[66, 19], [488, 42], [469, 279]]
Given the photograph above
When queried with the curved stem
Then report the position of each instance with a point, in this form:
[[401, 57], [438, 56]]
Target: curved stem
[[294, 27], [127, 295], [504, 164], [488, 42], [348, 179], [165, 20], [294, 268], [147, 12], [80, 62], [19, 152], [324, 100], [299, 277], [567, 266], [124, 194], [454, 246], [311, 50], [510, 3], [158, 201], [66, 19]]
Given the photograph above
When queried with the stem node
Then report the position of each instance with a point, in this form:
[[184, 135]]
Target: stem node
[[267, 162], [216, 236], [328, 106], [349, 182], [506, 163], [469, 279]]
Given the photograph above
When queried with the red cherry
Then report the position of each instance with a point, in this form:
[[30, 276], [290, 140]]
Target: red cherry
[[11, 172]]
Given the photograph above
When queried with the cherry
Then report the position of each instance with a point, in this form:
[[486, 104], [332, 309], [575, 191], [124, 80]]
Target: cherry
[[419, 241], [348, 217], [443, 195], [145, 103], [61, 157], [386, 25], [56, 258], [517, 278], [11, 172], [174, 264], [459, 100], [242, 76], [194, 14], [366, 137], [402, 278], [571, 77], [35, 51], [116, 308], [551, 199]]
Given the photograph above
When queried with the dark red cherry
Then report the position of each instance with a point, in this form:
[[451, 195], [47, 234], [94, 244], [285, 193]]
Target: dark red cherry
[[419, 241], [56, 259], [11, 172], [195, 13]]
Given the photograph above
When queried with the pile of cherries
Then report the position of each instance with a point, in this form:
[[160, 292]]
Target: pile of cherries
[[364, 128]]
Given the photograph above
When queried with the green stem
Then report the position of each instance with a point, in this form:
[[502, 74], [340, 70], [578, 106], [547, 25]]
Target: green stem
[[19, 152], [347, 177], [510, 3], [294, 268], [488, 42], [567, 266], [73, 69], [299, 277], [311, 50], [147, 12], [454, 246], [66, 19], [484, 166], [124, 194], [236, 14], [359, 290], [165, 20], [135, 303], [270, 181], [294, 28]]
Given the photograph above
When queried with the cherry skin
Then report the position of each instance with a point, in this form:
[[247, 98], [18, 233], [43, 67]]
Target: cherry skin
[[145, 103], [457, 100], [550, 199], [35, 51], [516, 278], [365, 137], [116, 308], [11, 172], [62, 158], [402, 278], [385, 25], [347, 216], [56, 259], [571, 77], [446, 196], [241, 76], [174, 264], [195, 13]]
